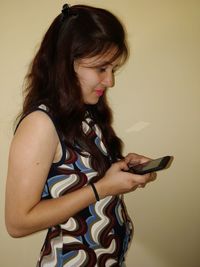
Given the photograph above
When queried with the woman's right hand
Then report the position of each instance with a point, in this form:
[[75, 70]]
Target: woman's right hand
[[118, 181]]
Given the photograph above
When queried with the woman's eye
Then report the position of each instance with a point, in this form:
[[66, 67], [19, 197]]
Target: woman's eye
[[104, 69], [101, 69]]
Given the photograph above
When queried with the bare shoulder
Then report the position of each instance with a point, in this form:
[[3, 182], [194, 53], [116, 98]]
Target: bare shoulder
[[37, 135], [37, 120]]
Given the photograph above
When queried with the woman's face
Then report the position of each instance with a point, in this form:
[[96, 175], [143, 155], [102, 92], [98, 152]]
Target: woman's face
[[95, 75]]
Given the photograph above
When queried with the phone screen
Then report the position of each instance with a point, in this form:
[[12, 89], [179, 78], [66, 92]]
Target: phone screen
[[149, 165], [152, 165]]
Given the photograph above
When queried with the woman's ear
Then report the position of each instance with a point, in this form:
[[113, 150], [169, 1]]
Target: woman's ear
[[76, 65]]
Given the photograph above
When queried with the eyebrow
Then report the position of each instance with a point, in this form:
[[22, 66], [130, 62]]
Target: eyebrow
[[103, 63]]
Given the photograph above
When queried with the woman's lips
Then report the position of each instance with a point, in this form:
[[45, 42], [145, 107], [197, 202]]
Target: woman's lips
[[99, 92]]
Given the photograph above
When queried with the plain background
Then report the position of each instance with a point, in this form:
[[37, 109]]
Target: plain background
[[156, 110]]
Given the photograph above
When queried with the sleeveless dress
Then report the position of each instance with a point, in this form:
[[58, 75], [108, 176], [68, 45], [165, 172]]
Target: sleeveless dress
[[97, 236]]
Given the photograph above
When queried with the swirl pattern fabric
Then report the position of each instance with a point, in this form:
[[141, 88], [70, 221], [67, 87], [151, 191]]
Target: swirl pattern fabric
[[97, 236]]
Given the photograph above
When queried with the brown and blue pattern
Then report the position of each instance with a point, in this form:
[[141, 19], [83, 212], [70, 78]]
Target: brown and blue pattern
[[97, 236]]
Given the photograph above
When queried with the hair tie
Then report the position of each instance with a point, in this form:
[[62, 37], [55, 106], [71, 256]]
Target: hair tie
[[65, 10]]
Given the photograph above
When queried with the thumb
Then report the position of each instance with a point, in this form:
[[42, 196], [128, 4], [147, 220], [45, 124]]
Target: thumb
[[122, 165]]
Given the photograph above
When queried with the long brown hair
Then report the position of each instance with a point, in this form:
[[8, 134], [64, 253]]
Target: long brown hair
[[83, 32]]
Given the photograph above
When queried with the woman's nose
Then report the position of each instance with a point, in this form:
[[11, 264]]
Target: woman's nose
[[109, 79]]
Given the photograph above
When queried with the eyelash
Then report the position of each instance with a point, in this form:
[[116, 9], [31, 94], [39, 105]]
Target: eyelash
[[103, 69]]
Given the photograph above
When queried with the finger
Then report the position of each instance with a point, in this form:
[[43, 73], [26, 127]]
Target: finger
[[134, 188], [140, 179], [144, 179], [141, 185], [122, 165], [153, 176], [132, 157], [150, 177]]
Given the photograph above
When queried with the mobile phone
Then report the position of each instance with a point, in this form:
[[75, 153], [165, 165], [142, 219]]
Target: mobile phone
[[152, 165]]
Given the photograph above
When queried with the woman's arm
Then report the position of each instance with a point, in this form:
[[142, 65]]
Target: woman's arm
[[31, 154]]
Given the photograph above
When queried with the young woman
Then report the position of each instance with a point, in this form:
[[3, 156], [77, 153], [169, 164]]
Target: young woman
[[66, 171]]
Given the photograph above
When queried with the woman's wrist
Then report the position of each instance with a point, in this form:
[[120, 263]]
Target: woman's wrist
[[101, 189], [95, 191]]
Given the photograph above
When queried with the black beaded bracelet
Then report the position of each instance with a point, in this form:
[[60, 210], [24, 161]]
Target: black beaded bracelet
[[95, 191]]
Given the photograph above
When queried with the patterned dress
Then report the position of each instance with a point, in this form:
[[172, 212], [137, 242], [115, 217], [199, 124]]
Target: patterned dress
[[98, 235]]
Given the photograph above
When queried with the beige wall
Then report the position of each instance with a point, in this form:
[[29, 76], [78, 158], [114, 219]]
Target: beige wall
[[156, 108]]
